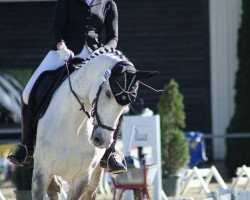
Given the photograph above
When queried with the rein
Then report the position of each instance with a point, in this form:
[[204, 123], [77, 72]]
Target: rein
[[74, 93], [94, 112]]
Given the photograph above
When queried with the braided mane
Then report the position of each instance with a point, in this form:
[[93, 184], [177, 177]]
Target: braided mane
[[79, 62], [115, 52]]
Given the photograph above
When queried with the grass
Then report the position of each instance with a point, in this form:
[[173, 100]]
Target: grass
[[22, 75], [5, 148]]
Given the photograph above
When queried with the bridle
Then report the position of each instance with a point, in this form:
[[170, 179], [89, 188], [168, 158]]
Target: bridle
[[93, 113]]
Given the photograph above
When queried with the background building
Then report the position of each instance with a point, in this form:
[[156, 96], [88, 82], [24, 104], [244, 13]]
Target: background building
[[193, 42]]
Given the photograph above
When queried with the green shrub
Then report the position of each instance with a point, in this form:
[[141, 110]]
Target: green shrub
[[174, 146], [174, 153], [238, 149]]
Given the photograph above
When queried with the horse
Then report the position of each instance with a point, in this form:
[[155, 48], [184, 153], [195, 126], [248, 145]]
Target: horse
[[70, 143]]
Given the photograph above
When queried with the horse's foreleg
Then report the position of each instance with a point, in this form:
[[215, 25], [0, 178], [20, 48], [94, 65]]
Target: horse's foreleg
[[90, 191], [40, 183], [77, 187], [54, 189]]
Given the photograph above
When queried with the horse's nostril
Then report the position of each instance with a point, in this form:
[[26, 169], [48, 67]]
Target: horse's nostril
[[98, 141]]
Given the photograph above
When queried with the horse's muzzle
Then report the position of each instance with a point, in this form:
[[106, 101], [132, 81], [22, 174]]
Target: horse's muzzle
[[97, 139], [100, 138]]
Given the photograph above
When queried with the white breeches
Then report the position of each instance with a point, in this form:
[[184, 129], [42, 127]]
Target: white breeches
[[51, 61]]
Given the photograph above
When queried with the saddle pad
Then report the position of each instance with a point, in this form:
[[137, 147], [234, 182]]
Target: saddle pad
[[45, 86]]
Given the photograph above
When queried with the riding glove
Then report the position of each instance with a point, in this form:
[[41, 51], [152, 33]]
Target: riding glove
[[65, 53]]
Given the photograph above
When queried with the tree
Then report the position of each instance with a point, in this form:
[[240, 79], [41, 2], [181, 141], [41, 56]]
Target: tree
[[238, 149], [175, 151]]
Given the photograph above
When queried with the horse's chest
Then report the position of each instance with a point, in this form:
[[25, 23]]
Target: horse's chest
[[74, 162]]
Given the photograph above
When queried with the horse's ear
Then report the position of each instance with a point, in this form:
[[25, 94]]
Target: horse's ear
[[118, 69], [140, 75]]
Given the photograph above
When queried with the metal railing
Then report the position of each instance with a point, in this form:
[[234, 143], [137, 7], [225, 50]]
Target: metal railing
[[8, 135], [10, 130], [227, 136]]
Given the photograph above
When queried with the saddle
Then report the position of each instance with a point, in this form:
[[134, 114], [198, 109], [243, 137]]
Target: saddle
[[46, 85]]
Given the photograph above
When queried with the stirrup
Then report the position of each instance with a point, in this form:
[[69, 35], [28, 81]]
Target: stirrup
[[27, 157]]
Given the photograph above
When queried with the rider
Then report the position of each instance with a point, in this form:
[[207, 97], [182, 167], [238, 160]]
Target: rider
[[77, 26]]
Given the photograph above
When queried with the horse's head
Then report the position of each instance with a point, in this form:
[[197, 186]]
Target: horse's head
[[113, 96]]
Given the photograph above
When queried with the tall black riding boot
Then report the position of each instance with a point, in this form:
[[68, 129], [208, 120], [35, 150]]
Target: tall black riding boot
[[108, 160], [23, 154]]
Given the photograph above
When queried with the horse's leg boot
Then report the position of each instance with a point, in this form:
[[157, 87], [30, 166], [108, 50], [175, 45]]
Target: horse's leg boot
[[24, 153], [109, 161]]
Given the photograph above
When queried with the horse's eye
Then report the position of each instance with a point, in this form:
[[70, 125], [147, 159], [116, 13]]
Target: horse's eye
[[108, 94]]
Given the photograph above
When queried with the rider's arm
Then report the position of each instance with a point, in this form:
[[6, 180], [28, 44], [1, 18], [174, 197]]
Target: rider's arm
[[111, 25], [59, 21]]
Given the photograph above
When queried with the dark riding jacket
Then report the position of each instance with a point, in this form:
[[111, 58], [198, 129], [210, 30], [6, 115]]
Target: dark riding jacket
[[76, 23]]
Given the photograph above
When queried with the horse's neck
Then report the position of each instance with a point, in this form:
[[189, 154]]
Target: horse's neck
[[87, 78], [91, 73]]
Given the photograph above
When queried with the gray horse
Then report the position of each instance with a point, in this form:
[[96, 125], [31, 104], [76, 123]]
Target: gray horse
[[67, 144]]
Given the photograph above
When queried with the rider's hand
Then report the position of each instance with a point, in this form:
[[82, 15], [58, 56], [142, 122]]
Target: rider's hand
[[64, 53]]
